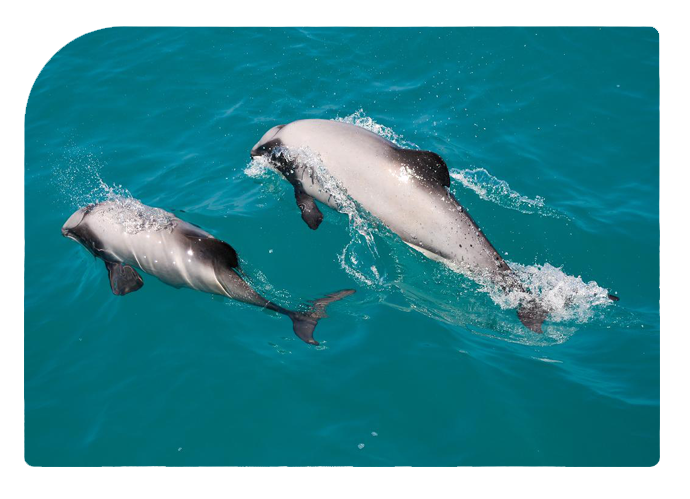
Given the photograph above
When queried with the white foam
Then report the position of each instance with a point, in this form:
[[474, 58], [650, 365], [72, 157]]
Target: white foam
[[78, 179], [358, 264], [567, 298], [360, 119], [258, 167], [134, 216], [495, 190]]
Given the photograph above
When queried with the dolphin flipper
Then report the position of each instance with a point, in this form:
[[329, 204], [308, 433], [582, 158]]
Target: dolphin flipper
[[310, 212], [123, 278]]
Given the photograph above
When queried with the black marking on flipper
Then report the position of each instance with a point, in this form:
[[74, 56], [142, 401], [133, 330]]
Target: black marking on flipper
[[310, 212], [613, 297], [425, 164], [123, 278]]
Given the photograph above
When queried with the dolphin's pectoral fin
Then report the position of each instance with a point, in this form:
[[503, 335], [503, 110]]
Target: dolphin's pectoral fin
[[310, 212], [427, 165], [123, 278]]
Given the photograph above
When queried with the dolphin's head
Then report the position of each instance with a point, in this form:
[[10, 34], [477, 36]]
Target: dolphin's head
[[78, 229], [70, 228], [267, 143]]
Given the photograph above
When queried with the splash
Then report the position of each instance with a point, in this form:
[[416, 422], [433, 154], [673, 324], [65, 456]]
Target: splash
[[498, 191], [567, 298], [361, 265], [361, 225], [476, 304], [79, 181], [258, 168], [485, 185], [360, 119], [134, 216], [77, 176]]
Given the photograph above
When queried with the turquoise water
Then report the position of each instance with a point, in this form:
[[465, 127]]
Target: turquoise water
[[552, 139]]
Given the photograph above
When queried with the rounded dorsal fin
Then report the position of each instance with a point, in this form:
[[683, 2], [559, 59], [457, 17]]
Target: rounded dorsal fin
[[215, 250], [427, 165]]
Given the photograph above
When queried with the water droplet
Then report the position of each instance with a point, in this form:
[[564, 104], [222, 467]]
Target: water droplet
[[360, 446]]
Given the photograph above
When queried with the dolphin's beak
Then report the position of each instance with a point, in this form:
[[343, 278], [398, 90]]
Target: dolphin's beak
[[262, 147], [74, 220], [259, 149]]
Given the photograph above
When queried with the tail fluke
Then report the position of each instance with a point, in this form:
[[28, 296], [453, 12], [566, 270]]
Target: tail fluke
[[304, 323], [532, 314]]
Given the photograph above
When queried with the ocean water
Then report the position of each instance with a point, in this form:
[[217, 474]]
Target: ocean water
[[552, 140]]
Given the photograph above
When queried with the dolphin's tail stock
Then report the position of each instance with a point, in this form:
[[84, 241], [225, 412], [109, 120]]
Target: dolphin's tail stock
[[532, 314], [304, 323]]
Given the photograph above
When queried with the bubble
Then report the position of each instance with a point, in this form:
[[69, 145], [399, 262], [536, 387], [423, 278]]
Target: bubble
[[134, 216], [495, 190], [360, 119], [566, 297]]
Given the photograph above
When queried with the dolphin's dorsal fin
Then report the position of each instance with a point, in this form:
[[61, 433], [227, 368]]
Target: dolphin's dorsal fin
[[217, 251], [427, 165], [225, 254], [123, 278]]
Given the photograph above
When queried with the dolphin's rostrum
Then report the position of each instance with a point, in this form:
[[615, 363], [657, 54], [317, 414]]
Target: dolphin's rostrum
[[126, 235]]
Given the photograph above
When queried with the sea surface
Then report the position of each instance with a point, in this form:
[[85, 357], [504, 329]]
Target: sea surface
[[552, 141]]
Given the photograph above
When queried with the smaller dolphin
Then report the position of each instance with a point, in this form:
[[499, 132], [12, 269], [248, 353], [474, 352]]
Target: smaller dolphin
[[125, 233]]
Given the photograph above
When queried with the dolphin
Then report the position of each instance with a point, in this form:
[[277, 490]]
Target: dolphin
[[127, 234], [408, 190]]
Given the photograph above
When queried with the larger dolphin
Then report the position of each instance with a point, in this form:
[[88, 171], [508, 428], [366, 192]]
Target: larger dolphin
[[408, 190], [127, 234]]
